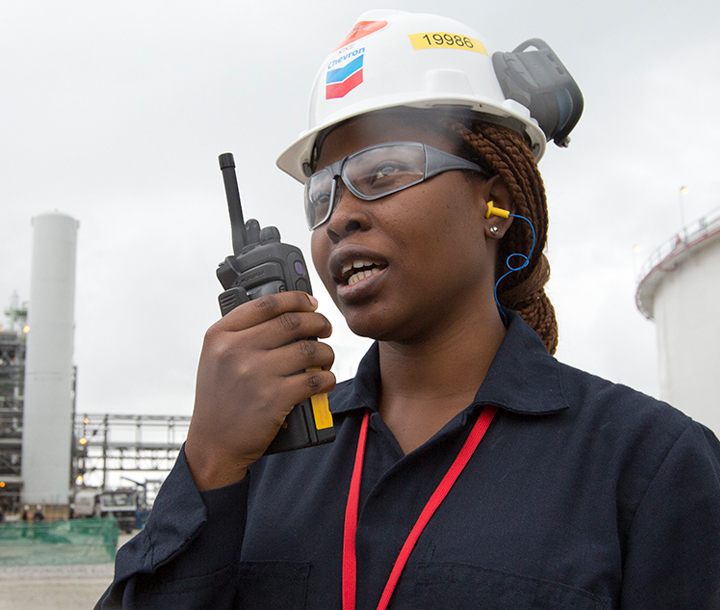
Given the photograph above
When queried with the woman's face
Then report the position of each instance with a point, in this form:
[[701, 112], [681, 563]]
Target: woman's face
[[424, 250]]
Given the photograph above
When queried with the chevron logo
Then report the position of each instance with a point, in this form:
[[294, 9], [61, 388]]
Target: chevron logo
[[344, 73]]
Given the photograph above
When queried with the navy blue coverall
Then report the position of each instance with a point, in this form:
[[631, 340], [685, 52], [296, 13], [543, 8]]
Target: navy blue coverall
[[582, 495]]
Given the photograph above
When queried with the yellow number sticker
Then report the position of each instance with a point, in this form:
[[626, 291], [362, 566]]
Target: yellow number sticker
[[446, 40]]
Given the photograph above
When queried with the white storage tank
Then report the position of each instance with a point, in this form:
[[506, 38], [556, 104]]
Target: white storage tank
[[47, 417], [680, 290]]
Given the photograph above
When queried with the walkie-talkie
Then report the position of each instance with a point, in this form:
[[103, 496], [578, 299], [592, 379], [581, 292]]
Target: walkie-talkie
[[262, 265]]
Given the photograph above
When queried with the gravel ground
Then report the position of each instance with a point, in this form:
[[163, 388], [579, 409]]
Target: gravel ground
[[55, 587]]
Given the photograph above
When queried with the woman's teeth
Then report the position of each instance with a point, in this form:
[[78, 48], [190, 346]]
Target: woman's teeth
[[366, 269], [361, 275]]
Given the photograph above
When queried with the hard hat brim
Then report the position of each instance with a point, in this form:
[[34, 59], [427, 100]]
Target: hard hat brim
[[294, 158]]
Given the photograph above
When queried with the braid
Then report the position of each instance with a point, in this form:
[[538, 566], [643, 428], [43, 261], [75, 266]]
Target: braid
[[505, 153]]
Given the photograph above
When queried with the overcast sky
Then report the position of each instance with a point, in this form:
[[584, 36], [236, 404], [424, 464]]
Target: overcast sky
[[115, 113]]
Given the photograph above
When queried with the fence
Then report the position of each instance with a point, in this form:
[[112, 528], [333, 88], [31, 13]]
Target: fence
[[688, 235], [74, 542]]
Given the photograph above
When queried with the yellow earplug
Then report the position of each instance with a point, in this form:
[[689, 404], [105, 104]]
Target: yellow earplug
[[493, 211]]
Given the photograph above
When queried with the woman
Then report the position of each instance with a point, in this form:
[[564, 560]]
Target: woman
[[470, 468]]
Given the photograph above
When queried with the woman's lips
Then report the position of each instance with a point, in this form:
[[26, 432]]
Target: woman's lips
[[357, 271]]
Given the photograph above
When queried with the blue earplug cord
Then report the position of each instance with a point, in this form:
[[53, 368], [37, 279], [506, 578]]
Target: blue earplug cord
[[525, 261]]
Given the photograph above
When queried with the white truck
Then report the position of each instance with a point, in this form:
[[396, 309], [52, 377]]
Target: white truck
[[122, 504], [85, 503]]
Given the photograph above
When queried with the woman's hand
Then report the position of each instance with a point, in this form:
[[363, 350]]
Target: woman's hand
[[247, 382]]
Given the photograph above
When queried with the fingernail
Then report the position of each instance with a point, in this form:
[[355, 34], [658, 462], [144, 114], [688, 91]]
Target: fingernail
[[313, 300]]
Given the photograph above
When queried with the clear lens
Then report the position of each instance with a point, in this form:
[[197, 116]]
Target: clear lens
[[385, 169], [318, 190], [375, 172]]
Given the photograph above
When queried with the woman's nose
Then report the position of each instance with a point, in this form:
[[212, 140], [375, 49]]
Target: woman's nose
[[349, 214]]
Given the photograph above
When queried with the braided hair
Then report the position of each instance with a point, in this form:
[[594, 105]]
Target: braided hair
[[504, 152]]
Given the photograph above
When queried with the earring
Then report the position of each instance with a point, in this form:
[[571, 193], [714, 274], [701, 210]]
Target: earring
[[494, 231]]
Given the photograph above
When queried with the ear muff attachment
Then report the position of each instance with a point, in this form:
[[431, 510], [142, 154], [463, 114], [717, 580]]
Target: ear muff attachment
[[540, 82]]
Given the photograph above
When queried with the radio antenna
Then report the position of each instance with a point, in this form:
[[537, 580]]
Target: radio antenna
[[232, 193]]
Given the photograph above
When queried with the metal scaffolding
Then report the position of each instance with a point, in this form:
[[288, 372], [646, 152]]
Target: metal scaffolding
[[106, 443], [12, 382], [101, 443]]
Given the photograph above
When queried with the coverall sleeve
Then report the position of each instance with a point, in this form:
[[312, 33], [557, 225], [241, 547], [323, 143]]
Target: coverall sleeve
[[187, 554], [673, 554]]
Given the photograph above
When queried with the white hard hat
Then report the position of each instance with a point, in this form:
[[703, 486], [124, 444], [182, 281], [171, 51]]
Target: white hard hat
[[393, 58]]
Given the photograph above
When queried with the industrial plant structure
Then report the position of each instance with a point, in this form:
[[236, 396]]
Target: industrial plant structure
[[47, 451], [12, 383], [680, 290]]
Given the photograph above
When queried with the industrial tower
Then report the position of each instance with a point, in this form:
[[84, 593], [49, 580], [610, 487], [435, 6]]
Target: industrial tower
[[679, 289]]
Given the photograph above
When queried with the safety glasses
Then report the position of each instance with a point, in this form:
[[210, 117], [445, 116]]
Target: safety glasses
[[375, 172]]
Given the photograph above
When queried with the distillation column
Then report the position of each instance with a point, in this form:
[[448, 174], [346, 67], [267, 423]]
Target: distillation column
[[47, 418]]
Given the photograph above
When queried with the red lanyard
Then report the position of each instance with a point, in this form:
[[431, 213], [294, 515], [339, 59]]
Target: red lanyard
[[349, 575]]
